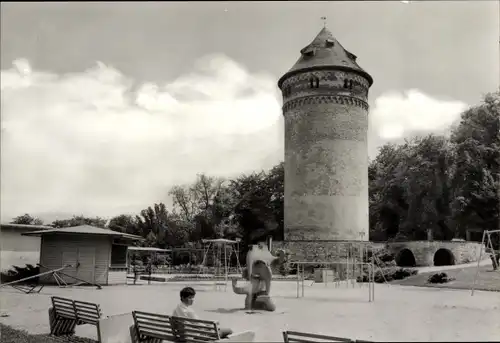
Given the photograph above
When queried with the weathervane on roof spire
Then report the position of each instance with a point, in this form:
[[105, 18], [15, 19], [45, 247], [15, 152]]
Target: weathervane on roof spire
[[324, 21]]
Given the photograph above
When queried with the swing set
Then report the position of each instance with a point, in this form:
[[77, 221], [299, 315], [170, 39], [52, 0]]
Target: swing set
[[487, 242]]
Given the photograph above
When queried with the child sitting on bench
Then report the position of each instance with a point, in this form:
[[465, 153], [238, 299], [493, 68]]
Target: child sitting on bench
[[184, 309]]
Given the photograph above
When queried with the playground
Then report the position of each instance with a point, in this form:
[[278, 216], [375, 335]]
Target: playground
[[399, 313]]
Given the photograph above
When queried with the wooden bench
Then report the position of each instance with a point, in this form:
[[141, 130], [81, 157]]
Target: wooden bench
[[65, 314], [195, 330], [155, 328], [295, 336]]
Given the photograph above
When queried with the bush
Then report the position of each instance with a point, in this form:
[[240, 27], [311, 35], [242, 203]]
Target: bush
[[388, 274], [384, 258], [282, 265], [439, 278], [18, 273]]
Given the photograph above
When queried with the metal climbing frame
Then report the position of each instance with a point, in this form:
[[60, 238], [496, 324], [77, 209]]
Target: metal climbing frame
[[350, 265], [55, 273], [221, 259]]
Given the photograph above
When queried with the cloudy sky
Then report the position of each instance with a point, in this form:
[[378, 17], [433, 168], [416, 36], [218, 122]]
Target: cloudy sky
[[104, 106]]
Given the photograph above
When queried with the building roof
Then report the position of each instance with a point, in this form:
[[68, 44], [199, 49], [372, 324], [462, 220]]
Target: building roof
[[85, 230], [148, 249], [23, 227], [325, 52]]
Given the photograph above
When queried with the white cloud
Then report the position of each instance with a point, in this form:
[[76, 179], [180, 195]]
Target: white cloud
[[96, 143], [93, 143], [402, 114]]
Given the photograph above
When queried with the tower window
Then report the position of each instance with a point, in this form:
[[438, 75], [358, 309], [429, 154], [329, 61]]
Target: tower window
[[314, 82], [350, 84], [287, 91], [346, 83]]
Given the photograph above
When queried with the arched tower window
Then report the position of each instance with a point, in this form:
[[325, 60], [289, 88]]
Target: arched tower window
[[346, 83], [350, 84], [287, 90], [314, 82]]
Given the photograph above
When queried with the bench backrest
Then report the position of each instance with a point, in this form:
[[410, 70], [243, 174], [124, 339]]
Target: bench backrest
[[83, 312], [153, 325], [174, 329], [295, 336], [63, 307], [86, 312], [195, 330]]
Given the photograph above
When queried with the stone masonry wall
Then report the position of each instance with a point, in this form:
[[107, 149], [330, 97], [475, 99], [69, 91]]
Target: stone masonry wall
[[326, 159], [318, 251], [424, 251]]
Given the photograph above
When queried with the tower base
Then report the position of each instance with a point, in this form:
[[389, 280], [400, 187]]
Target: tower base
[[343, 259]]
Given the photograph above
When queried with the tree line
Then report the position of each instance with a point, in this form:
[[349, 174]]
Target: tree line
[[434, 185]]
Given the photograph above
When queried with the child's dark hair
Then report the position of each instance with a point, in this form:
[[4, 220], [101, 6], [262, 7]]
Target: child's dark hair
[[187, 292]]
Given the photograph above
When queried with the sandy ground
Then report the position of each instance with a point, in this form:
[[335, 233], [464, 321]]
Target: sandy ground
[[399, 313]]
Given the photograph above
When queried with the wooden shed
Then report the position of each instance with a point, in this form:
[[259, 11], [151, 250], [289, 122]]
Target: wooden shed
[[92, 254]]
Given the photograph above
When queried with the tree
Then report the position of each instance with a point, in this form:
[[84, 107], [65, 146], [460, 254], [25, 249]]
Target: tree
[[204, 206], [124, 223], [153, 222], [259, 207], [443, 185], [80, 220], [387, 203], [477, 160], [409, 189], [26, 219]]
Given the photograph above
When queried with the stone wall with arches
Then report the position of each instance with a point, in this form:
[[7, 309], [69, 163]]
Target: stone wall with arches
[[434, 253]]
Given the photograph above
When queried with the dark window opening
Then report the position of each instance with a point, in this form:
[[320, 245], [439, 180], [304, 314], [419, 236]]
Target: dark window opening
[[405, 258], [350, 84], [314, 82], [444, 257], [119, 255], [346, 83]]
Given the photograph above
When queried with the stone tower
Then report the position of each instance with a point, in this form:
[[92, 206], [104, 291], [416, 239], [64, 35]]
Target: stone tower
[[325, 107]]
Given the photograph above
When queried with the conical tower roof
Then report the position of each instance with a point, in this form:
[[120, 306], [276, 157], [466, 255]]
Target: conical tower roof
[[325, 52]]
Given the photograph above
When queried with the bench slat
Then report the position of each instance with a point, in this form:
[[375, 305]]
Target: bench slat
[[61, 304], [159, 322], [86, 303], [150, 315], [94, 313], [197, 327], [209, 336], [67, 309], [198, 321], [155, 334], [295, 336], [56, 298], [155, 327], [88, 314]]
